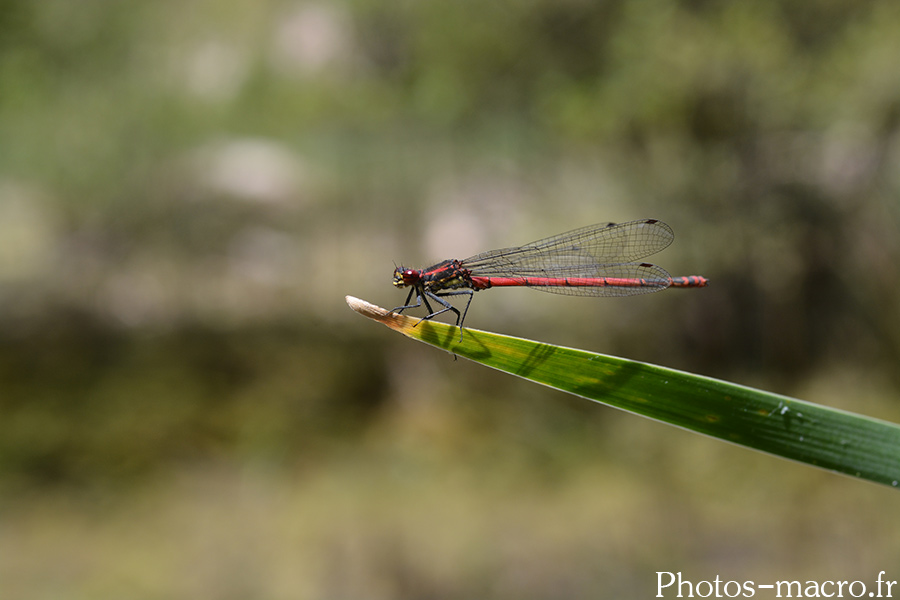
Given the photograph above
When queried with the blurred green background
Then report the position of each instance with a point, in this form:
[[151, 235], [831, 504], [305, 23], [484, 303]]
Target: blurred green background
[[189, 189]]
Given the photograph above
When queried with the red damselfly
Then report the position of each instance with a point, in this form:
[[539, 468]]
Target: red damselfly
[[598, 260]]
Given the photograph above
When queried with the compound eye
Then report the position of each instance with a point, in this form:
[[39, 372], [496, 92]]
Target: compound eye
[[406, 277]]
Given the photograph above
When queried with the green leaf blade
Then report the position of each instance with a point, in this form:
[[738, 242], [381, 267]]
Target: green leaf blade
[[802, 431]]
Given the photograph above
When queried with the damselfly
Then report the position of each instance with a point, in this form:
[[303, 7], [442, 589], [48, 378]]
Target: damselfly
[[598, 260]]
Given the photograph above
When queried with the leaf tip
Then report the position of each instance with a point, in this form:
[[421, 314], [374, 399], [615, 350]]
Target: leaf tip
[[365, 308], [382, 315]]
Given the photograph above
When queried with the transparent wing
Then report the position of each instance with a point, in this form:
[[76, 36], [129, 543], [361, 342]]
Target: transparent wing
[[593, 251], [652, 277]]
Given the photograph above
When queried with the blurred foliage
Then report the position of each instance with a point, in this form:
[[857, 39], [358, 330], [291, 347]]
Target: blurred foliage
[[188, 190], [171, 169], [85, 404]]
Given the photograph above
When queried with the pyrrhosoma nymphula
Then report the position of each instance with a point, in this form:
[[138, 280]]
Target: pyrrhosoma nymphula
[[598, 260]]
